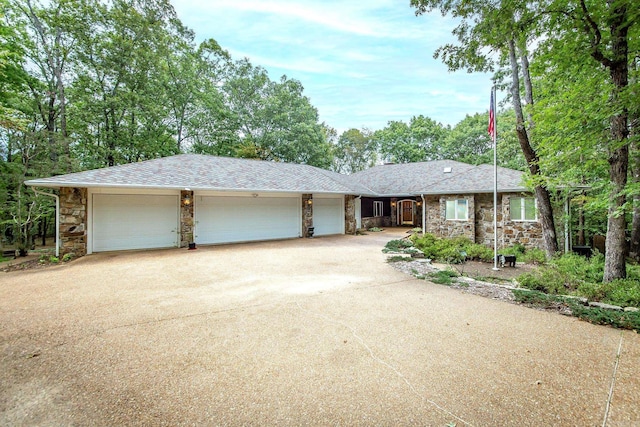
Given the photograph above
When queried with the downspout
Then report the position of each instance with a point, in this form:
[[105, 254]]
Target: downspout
[[424, 215], [57, 217]]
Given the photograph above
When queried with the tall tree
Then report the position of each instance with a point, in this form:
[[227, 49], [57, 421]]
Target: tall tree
[[598, 38], [355, 151], [490, 32], [419, 140]]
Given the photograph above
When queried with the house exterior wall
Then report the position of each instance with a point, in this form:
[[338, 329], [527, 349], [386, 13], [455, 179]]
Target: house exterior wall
[[526, 233], [350, 226], [441, 227], [484, 219], [186, 218], [479, 226], [307, 214], [73, 221], [367, 218]]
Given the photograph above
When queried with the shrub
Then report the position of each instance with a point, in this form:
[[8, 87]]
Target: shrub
[[397, 245], [534, 256], [547, 280], [67, 257], [54, 260], [479, 252]]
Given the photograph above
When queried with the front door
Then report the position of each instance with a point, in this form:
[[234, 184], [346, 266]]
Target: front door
[[407, 212]]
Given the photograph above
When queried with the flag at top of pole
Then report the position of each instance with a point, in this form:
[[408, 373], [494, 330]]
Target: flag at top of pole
[[492, 117]]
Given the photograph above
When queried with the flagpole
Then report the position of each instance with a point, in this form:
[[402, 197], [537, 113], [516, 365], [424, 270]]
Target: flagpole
[[494, 136]]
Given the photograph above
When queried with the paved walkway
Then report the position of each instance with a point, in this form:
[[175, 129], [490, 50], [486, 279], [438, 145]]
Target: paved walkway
[[301, 332]]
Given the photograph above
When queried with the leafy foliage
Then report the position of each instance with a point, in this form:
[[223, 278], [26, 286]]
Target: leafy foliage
[[571, 274]]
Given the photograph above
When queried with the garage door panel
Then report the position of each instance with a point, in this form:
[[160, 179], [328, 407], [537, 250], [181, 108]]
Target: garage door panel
[[227, 219], [122, 222], [328, 216]]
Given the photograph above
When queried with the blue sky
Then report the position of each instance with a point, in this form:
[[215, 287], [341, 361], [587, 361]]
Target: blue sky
[[362, 63]]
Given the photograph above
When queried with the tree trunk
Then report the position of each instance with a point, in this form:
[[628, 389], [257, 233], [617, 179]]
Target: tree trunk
[[615, 266], [542, 194]]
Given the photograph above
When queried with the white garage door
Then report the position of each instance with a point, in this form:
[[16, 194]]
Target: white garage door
[[227, 219], [134, 221], [328, 216]]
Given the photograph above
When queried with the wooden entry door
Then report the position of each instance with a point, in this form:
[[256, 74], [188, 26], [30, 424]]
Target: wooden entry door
[[407, 212]]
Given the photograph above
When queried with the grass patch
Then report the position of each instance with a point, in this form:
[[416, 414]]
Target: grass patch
[[442, 277]]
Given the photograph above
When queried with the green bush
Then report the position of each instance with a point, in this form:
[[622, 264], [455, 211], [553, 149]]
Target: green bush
[[547, 280], [397, 245], [623, 292], [479, 252], [534, 256]]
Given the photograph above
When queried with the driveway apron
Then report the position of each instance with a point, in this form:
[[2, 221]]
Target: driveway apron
[[300, 332]]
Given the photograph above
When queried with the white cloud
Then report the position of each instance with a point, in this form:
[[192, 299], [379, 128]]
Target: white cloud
[[361, 63]]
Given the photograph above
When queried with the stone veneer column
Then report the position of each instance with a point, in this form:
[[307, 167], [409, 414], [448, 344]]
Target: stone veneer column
[[307, 214], [350, 225], [186, 218], [73, 221]]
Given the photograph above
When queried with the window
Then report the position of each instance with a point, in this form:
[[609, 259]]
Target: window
[[378, 209], [523, 209], [457, 209]]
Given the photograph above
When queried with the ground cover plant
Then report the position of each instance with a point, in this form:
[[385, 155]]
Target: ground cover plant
[[571, 274]]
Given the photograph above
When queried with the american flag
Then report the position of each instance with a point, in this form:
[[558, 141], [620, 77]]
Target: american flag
[[492, 118]]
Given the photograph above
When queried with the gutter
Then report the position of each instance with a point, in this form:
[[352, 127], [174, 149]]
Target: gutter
[[57, 217]]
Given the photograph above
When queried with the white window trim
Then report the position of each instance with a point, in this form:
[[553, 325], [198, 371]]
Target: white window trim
[[466, 201], [378, 209], [523, 210]]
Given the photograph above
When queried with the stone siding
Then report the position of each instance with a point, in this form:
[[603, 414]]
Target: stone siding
[[350, 226], [186, 218], [376, 221], [307, 214], [484, 220], [73, 221], [479, 226], [441, 227], [526, 233]]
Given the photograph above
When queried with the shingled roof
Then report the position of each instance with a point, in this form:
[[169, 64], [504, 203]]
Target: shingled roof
[[437, 177], [203, 172]]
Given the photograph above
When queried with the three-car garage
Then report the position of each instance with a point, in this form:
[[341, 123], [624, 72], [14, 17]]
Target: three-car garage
[[122, 220]]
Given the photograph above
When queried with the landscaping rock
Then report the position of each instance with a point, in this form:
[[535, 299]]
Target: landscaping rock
[[605, 306]]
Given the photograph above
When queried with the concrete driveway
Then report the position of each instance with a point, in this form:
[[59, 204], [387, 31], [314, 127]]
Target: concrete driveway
[[301, 332]]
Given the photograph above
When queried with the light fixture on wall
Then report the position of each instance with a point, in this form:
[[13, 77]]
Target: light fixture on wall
[[393, 204], [419, 203], [187, 200], [309, 202]]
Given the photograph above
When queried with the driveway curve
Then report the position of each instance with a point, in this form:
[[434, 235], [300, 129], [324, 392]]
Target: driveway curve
[[299, 332]]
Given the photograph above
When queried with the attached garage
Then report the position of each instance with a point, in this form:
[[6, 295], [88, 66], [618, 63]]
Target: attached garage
[[328, 215], [247, 217], [134, 221]]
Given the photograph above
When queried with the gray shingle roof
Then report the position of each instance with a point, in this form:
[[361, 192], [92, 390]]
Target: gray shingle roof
[[430, 178], [202, 172]]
